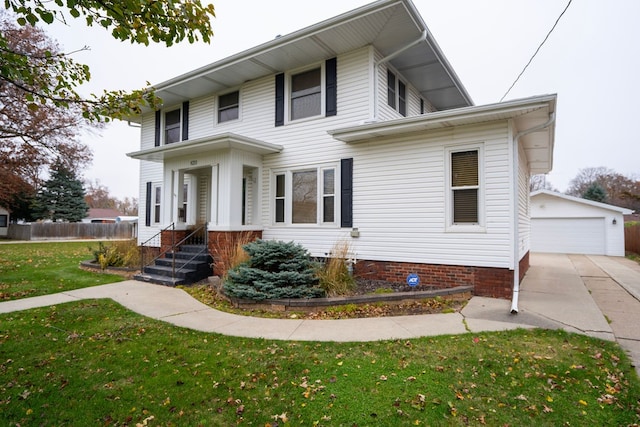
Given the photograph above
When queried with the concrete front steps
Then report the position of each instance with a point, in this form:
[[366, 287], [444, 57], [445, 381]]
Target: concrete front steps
[[192, 264]]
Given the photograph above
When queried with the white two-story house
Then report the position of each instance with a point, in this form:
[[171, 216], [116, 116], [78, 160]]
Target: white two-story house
[[354, 128]]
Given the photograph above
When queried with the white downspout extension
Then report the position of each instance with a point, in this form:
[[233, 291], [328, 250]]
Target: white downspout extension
[[516, 212], [423, 37]]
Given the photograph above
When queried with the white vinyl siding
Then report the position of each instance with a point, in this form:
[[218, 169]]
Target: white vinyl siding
[[398, 184], [524, 209], [399, 200]]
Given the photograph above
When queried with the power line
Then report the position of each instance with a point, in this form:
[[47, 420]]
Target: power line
[[536, 52]]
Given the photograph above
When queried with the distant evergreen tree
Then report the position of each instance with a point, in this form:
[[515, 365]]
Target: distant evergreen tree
[[62, 197], [274, 270], [595, 192]]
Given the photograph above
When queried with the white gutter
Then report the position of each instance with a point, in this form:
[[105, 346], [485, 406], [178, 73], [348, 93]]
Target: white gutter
[[516, 212], [422, 38]]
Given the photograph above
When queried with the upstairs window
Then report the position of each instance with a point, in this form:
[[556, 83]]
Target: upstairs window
[[310, 93], [229, 107], [396, 93], [391, 89], [465, 186], [402, 98], [172, 126], [306, 94]]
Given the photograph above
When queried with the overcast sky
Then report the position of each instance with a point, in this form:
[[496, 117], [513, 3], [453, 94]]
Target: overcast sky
[[591, 60]]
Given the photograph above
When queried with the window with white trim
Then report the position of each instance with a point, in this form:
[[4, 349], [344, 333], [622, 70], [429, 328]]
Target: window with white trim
[[172, 126], [229, 107], [396, 93], [465, 195], [157, 198], [306, 94], [305, 196]]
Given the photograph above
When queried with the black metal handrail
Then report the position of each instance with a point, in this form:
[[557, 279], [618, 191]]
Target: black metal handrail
[[156, 238], [197, 236]]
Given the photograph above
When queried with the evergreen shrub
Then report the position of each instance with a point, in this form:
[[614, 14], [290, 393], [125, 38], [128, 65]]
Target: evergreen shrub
[[274, 270]]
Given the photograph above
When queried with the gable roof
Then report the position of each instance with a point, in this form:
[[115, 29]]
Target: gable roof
[[618, 209], [393, 27]]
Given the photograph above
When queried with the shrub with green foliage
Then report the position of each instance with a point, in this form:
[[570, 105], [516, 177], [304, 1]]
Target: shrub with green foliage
[[274, 270]]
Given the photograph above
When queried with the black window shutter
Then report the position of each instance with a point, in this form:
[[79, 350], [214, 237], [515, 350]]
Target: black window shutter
[[331, 72], [147, 207], [185, 121], [158, 124], [280, 99], [346, 192]]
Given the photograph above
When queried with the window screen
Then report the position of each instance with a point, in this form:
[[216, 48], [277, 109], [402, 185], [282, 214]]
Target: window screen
[[306, 93], [228, 107], [464, 185], [172, 127]]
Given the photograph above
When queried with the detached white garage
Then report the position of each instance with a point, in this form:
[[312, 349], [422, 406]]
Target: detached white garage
[[567, 224]]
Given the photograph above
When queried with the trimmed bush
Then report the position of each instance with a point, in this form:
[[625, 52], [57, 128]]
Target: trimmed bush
[[274, 270]]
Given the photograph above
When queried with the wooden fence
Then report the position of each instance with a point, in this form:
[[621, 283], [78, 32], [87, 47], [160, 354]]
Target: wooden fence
[[72, 230], [632, 238]]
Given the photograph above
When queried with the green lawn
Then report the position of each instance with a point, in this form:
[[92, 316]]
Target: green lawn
[[32, 269], [96, 363]]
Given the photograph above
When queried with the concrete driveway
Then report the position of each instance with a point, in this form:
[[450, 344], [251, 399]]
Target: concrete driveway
[[592, 295]]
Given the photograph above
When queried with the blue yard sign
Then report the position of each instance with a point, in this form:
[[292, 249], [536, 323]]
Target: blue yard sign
[[413, 280]]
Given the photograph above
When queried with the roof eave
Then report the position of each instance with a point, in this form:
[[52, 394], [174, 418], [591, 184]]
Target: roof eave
[[440, 119], [201, 145], [593, 203]]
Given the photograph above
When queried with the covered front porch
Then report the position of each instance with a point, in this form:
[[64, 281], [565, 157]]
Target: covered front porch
[[213, 185]]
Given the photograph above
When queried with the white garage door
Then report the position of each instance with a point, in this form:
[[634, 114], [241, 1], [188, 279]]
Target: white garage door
[[568, 235]]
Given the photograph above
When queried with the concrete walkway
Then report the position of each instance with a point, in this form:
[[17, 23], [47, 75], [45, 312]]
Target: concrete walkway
[[591, 295]]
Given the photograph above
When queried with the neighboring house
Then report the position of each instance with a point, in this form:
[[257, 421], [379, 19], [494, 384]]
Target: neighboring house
[[99, 215], [356, 128], [567, 224], [4, 222]]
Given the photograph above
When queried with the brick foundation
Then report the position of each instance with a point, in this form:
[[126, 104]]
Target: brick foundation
[[486, 281]]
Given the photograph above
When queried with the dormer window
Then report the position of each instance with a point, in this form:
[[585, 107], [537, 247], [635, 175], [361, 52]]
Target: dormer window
[[229, 107]]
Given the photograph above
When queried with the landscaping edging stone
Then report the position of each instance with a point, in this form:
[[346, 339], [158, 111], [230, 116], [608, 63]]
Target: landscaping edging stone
[[121, 271], [312, 304]]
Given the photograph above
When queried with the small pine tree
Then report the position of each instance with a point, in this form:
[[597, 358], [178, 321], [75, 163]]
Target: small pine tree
[[274, 270], [61, 197], [595, 192]]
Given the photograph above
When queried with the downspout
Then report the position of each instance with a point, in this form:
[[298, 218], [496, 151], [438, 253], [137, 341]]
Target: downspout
[[423, 37], [516, 211]]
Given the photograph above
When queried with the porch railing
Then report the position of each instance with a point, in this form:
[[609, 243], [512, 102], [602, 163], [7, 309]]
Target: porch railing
[[152, 247]]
